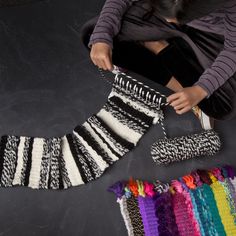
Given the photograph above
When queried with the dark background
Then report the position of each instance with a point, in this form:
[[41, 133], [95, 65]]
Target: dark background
[[48, 85]]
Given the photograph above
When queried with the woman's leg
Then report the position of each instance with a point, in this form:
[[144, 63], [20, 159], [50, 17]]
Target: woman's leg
[[156, 47], [133, 56], [142, 58]]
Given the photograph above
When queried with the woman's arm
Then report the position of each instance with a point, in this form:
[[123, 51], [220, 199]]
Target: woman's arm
[[221, 70], [224, 65], [109, 21]]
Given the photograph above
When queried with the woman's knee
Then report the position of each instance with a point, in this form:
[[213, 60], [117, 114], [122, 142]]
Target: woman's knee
[[155, 46]]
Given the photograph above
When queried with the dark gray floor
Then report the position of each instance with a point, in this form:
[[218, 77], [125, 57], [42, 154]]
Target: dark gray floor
[[47, 86]]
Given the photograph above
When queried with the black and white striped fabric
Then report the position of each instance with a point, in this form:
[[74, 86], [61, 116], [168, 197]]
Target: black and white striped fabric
[[84, 154]]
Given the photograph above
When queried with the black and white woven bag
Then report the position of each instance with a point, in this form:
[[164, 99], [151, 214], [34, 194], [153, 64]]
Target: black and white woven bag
[[168, 150]]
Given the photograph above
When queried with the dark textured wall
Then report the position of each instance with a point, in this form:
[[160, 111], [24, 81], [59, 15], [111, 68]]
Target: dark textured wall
[[47, 86]]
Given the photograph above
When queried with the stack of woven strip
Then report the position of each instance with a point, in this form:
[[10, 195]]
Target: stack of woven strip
[[201, 203]]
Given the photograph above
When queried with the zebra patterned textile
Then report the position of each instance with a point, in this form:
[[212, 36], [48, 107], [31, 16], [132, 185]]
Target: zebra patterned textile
[[83, 155]]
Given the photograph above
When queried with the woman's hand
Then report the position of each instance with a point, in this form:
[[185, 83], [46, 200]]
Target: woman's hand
[[187, 98], [101, 55]]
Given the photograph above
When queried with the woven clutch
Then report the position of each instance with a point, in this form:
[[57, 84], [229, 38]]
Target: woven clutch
[[168, 150]]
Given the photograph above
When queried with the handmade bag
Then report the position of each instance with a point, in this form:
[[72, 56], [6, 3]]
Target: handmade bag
[[168, 150]]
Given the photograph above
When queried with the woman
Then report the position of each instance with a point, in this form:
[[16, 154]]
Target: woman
[[196, 59]]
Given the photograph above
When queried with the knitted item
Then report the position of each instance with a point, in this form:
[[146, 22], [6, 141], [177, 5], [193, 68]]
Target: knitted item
[[203, 213], [144, 193], [223, 207], [188, 207], [125, 214], [166, 151], [83, 155], [165, 215], [135, 216], [147, 210], [228, 188], [212, 206], [232, 187], [230, 198], [183, 210]]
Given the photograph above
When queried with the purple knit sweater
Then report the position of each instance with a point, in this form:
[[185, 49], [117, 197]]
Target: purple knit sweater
[[221, 22]]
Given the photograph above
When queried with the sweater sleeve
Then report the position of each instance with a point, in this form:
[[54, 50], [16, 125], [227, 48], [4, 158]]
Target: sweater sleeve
[[224, 65], [109, 21]]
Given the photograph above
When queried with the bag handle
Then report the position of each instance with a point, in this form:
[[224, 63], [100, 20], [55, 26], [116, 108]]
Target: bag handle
[[116, 71]]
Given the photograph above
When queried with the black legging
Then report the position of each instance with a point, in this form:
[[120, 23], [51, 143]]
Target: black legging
[[176, 60]]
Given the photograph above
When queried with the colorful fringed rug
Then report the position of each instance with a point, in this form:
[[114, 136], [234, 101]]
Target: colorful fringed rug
[[201, 203]]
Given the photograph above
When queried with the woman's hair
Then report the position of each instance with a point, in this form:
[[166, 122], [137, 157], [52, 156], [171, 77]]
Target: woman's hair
[[171, 8]]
